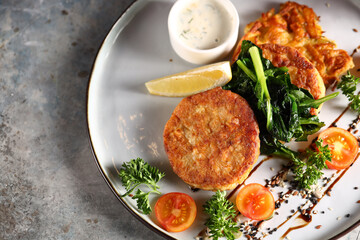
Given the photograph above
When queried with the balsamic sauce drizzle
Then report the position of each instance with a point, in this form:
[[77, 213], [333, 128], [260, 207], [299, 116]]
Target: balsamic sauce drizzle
[[307, 217], [333, 124]]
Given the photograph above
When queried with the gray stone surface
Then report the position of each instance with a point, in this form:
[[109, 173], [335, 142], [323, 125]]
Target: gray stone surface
[[50, 187]]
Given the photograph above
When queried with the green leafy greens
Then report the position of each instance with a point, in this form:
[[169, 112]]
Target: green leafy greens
[[308, 172], [136, 173], [348, 87], [281, 108], [222, 213]]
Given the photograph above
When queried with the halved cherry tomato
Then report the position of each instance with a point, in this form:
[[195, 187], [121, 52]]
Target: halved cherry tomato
[[255, 202], [343, 146], [175, 211]]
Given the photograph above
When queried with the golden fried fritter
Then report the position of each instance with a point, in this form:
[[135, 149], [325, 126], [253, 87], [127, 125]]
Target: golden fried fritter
[[297, 26], [212, 139], [303, 73]]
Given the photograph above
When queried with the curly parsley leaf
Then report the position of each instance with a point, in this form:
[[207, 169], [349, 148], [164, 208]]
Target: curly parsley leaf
[[142, 200], [135, 173], [308, 173], [222, 213], [348, 87]]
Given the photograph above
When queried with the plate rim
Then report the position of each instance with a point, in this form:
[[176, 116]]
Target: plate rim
[[92, 147]]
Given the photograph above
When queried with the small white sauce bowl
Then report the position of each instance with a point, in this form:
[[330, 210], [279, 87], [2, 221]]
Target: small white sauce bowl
[[203, 56]]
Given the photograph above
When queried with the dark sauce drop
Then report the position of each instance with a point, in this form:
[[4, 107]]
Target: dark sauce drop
[[194, 189], [307, 217]]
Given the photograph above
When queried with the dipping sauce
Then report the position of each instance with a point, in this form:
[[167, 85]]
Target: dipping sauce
[[204, 24], [203, 31]]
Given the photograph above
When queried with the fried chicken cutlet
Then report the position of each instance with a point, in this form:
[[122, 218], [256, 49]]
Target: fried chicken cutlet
[[297, 26], [212, 140]]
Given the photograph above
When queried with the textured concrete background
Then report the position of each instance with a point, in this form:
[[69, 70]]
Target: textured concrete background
[[50, 187]]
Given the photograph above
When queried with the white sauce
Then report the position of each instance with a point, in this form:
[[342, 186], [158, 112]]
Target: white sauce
[[204, 24]]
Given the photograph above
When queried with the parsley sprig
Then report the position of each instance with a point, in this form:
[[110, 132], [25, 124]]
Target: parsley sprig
[[136, 173], [222, 213], [348, 87], [308, 172]]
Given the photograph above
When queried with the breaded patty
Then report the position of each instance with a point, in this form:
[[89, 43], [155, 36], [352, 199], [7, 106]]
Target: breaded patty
[[212, 140], [303, 73], [297, 26]]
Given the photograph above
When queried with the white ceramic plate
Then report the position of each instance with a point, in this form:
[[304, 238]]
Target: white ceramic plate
[[126, 122]]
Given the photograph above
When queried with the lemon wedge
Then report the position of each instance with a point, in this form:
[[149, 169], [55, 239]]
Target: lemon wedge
[[192, 81]]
